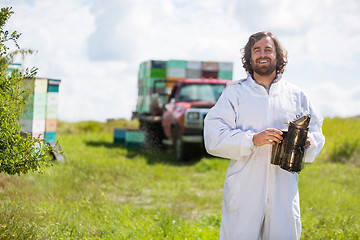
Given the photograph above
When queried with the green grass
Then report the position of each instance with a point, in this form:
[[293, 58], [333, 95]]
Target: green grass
[[103, 191]]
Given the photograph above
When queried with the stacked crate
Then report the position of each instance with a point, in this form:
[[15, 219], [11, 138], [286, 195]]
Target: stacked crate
[[130, 138], [119, 136], [149, 72], [40, 113], [210, 69], [33, 120], [173, 71], [194, 70], [51, 110], [134, 139], [225, 70]]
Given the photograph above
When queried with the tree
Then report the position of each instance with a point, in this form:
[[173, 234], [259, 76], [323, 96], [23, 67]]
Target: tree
[[19, 152]]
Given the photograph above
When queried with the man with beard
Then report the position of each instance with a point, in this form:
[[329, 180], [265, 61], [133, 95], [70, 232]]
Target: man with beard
[[260, 199]]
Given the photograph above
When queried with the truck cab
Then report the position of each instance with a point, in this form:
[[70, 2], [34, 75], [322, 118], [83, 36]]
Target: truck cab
[[183, 114]]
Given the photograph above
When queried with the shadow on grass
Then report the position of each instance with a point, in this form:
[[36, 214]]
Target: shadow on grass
[[103, 144], [161, 155], [165, 156]]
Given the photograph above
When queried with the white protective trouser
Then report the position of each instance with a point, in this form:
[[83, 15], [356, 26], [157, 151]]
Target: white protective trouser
[[259, 199]]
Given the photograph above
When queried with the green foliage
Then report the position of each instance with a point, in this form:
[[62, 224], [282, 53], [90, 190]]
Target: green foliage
[[5, 36], [93, 126], [342, 143], [19, 152], [104, 191], [329, 195]]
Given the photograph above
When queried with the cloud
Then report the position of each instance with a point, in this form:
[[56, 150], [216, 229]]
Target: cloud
[[335, 100], [318, 32], [123, 27], [95, 47]]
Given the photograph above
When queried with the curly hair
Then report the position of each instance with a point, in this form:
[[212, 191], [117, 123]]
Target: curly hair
[[281, 53]]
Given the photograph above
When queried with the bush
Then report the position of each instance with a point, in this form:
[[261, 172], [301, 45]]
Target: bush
[[347, 151], [342, 140], [19, 152]]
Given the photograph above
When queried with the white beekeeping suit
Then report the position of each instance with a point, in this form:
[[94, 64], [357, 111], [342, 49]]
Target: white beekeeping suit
[[260, 199]]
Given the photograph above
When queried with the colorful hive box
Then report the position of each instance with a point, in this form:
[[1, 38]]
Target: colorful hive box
[[40, 85], [51, 112], [33, 125], [134, 139], [210, 66], [34, 112], [193, 73], [142, 68], [50, 125], [210, 74], [194, 65], [119, 136], [156, 64], [176, 73], [52, 99], [40, 114], [53, 85], [50, 137], [225, 66], [155, 72], [227, 75], [176, 64]]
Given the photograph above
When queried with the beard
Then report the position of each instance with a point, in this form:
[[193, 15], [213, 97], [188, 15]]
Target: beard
[[263, 70]]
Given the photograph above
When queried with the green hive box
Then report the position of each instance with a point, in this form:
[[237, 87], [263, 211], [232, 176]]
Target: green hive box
[[134, 139], [227, 75], [176, 64], [155, 73], [50, 137], [142, 69]]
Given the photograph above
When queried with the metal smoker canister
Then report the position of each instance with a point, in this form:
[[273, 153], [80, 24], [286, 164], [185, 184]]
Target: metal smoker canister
[[290, 152]]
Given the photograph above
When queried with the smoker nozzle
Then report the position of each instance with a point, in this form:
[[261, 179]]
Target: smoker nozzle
[[290, 152], [303, 121]]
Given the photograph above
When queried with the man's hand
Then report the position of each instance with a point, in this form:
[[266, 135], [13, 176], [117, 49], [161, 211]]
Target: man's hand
[[267, 136]]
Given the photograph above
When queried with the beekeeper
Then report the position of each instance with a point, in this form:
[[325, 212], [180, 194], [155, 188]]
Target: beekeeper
[[260, 199]]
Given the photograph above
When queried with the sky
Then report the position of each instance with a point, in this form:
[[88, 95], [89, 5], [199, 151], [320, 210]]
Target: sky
[[95, 46]]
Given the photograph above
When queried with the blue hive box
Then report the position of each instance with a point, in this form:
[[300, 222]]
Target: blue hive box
[[119, 136]]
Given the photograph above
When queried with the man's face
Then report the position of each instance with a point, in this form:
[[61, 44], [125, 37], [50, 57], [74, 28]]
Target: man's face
[[263, 56]]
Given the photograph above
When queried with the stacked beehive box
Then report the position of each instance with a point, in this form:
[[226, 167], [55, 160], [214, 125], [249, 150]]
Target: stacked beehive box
[[194, 70], [119, 136], [130, 138], [172, 71], [40, 115], [175, 71], [149, 72], [134, 139], [225, 70], [51, 110]]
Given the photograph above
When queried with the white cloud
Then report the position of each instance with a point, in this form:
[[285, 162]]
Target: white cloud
[[95, 46], [335, 100]]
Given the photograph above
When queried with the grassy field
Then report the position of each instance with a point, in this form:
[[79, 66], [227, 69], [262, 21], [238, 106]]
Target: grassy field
[[103, 191]]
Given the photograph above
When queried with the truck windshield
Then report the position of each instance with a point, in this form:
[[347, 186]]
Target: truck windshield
[[200, 92]]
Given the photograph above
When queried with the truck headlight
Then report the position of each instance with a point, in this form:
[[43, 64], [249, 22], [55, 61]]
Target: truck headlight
[[193, 116]]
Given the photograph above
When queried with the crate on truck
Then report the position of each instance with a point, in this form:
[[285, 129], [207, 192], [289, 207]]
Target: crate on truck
[[174, 96]]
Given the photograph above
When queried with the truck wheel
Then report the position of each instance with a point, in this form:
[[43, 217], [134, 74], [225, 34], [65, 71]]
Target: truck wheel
[[178, 146], [153, 135]]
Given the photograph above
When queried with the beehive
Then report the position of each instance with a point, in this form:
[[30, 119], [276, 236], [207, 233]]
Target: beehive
[[166, 73], [134, 139], [40, 113]]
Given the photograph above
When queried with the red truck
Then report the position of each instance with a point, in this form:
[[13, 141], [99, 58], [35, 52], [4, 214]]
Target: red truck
[[175, 117]]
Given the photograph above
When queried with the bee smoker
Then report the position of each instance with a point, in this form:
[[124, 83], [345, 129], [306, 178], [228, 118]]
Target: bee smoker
[[289, 154]]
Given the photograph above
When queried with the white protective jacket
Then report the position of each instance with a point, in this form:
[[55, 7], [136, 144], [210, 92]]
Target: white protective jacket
[[259, 199]]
